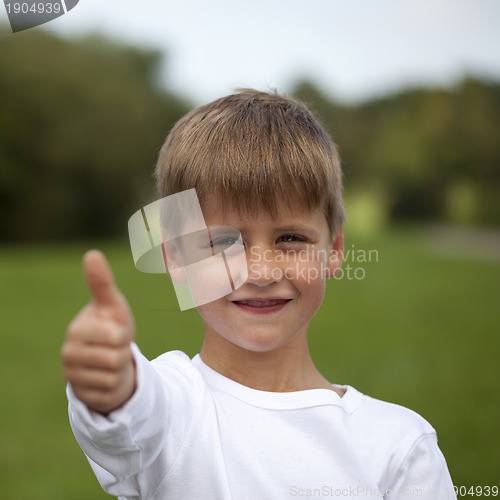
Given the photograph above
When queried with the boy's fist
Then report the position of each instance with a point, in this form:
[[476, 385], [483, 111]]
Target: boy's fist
[[97, 358]]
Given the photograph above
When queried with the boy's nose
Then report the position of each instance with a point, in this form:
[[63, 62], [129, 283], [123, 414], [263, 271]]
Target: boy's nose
[[263, 268]]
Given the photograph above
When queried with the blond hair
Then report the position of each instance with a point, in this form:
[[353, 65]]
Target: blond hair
[[251, 150]]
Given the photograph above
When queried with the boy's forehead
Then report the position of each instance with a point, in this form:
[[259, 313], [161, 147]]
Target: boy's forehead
[[226, 213]]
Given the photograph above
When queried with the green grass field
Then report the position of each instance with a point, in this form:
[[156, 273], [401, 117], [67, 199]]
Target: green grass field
[[421, 329]]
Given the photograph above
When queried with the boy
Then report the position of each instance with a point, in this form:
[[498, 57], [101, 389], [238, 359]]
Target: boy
[[250, 417]]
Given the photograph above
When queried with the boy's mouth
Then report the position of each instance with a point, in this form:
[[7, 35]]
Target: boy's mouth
[[261, 306]]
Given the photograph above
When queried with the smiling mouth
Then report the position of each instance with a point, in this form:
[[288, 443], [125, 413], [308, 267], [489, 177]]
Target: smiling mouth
[[261, 306], [262, 303]]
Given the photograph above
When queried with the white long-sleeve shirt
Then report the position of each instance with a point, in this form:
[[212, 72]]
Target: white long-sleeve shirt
[[188, 432]]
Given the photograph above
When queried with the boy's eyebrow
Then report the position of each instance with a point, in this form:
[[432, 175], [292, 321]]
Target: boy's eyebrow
[[296, 228]]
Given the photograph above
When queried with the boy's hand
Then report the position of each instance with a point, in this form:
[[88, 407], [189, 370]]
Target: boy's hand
[[97, 358]]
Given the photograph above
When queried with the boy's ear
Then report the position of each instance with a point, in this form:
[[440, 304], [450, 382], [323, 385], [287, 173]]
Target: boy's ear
[[336, 255]]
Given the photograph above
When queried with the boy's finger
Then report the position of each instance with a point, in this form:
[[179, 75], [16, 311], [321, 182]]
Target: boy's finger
[[100, 281], [104, 333]]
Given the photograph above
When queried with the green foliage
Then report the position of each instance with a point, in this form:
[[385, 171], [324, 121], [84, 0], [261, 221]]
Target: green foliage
[[435, 154], [82, 120], [81, 123]]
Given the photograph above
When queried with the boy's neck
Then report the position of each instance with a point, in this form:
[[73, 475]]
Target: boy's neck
[[291, 369]]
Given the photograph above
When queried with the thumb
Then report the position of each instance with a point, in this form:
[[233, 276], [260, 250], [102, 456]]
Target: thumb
[[107, 298]]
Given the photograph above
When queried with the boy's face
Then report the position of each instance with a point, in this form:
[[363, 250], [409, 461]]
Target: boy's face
[[288, 259]]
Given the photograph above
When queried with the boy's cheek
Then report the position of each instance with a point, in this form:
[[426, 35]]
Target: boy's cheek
[[307, 273], [211, 279], [214, 314]]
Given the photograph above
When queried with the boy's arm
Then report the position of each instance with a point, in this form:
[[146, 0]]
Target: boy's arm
[[117, 418], [424, 472], [96, 354], [126, 442]]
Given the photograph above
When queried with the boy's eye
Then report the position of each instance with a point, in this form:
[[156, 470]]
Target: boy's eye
[[290, 238], [223, 237], [223, 242]]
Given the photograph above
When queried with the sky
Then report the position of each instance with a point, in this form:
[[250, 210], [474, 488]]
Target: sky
[[352, 50]]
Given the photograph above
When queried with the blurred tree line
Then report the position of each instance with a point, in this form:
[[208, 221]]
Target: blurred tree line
[[82, 121], [422, 154], [81, 124]]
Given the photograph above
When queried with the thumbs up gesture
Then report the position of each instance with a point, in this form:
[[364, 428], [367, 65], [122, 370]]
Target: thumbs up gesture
[[96, 354]]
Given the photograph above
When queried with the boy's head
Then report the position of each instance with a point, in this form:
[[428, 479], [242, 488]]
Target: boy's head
[[260, 163], [254, 151]]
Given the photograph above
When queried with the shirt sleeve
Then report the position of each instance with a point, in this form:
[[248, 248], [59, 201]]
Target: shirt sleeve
[[424, 473], [138, 437]]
